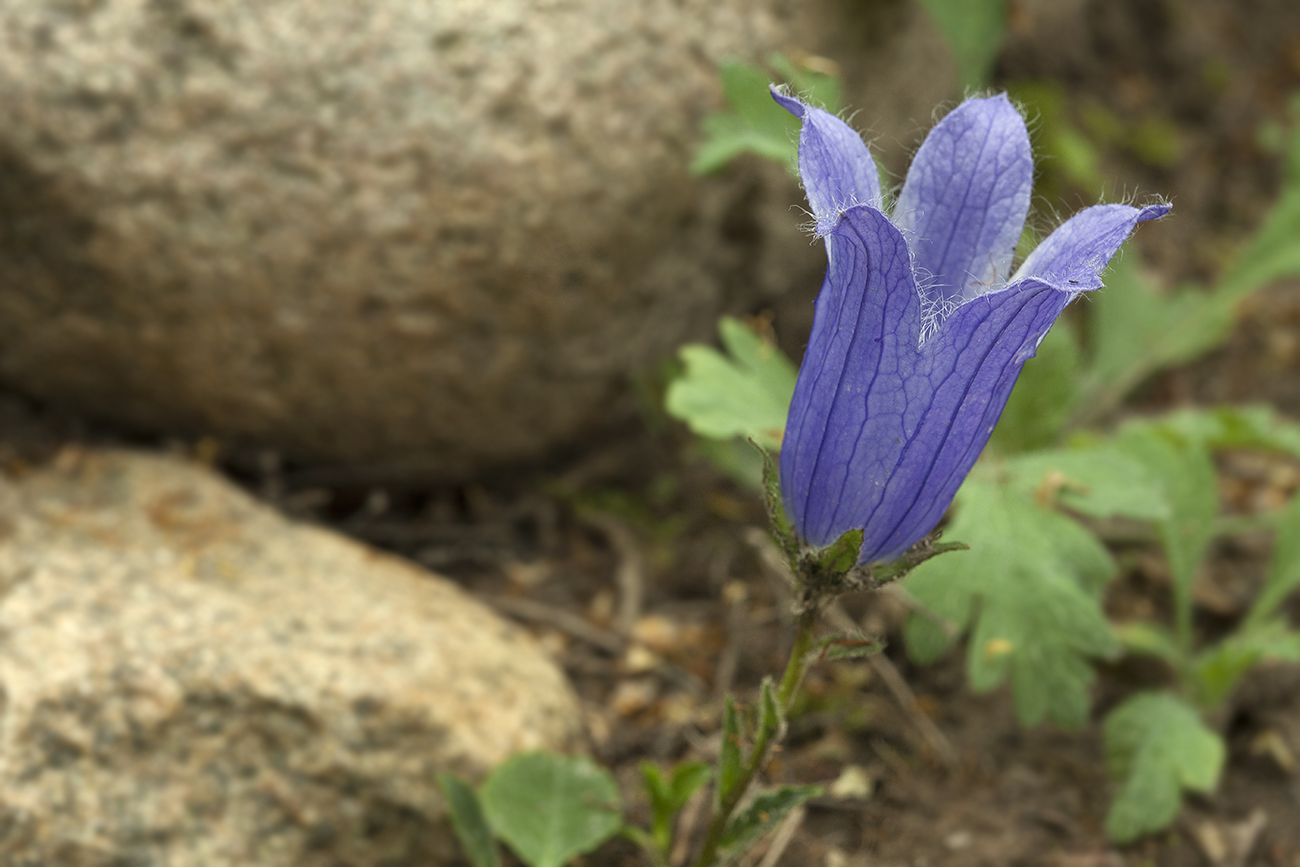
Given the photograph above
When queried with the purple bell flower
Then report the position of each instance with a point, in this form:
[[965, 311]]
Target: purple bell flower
[[920, 329]]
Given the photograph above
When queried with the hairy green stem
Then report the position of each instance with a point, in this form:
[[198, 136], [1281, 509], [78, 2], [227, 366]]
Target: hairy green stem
[[785, 691]]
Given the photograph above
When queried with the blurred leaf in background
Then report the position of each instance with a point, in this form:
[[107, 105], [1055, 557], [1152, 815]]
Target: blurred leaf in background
[[1029, 590], [753, 122], [549, 808], [973, 29], [1158, 746]]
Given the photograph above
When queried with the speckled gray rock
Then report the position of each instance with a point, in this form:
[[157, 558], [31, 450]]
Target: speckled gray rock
[[190, 679], [436, 234]]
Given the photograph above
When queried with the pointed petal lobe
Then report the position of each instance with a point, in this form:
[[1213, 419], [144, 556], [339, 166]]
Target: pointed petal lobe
[[1074, 256], [966, 197], [855, 399], [834, 164]]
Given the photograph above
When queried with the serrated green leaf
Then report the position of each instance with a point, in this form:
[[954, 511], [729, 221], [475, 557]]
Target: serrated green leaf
[[1283, 570], [1101, 481], [1157, 746], [973, 29], [550, 808], [745, 392], [761, 816], [468, 821], [730, 755], [1043, 396], [1029, 590], [1191, 490], [1217, 670]]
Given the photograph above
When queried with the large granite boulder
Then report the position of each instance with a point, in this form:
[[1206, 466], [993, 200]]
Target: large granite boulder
[[434, 234], [190, 679]]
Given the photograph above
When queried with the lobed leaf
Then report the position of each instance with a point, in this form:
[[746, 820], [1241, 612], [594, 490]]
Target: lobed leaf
[[1029, 591], [1157, 746], [550, 808], [1100, 481], [744, 392]]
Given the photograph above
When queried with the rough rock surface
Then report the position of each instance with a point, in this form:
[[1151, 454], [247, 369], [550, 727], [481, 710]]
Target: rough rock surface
[[191, 679], [438, 235]]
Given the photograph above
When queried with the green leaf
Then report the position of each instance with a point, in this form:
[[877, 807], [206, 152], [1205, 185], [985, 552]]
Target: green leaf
[[1236, 427], [549, 808], [761, 816], [1029, 589], [770, 718], [737, 459], [1217, 670], [973, 29], [468, 821], [754, 122], [1100, 481], [776, 516], [1272, 252], [1150, 639], [1157, 746], [1283, 570], [669, 795], [1138, 330], [839, 556], [745, 392], [1067, 156], [1043, 396], [816, 88], [730, 755], [1191, 491], [846, 646]]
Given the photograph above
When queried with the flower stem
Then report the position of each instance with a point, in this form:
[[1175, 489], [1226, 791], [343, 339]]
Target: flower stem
[[785, 691]]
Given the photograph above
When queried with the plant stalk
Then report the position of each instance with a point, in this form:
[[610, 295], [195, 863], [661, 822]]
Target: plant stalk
[[785, 692]]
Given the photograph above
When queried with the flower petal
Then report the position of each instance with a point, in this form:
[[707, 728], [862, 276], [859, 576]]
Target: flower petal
[[834, 164], [968, 369], [856, 398], [1074, 256], [965, 199]]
